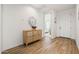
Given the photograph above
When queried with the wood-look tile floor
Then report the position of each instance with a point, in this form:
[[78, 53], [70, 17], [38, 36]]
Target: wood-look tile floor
[[59, 45]]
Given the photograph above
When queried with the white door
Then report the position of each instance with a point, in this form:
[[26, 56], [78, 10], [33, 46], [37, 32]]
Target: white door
[[64, 25]]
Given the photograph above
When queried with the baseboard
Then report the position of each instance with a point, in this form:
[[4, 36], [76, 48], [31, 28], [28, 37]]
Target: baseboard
[[64, 37]]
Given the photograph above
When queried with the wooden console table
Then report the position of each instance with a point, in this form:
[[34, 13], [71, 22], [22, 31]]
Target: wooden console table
[[30, 36]]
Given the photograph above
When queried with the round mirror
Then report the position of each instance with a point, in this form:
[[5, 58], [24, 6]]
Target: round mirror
[[32, 22]]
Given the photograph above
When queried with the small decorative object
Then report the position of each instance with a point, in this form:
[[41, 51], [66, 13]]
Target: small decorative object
[[32, 22]]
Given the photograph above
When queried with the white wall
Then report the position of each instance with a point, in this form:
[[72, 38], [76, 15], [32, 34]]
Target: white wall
[[0, 28], [66, 23], [15, 20], [77, 25]]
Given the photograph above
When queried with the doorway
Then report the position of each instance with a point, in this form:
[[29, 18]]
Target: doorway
[[47, 19]]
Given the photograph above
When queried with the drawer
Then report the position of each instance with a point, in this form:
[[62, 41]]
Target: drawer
[[36, 37], [29, 39], [35, 32], [39, 32], [29, 33]]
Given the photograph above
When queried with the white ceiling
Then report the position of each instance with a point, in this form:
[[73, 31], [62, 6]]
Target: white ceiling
[[56, 7]]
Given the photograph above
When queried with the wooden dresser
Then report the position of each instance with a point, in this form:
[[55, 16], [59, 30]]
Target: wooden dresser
[[30, 36]]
